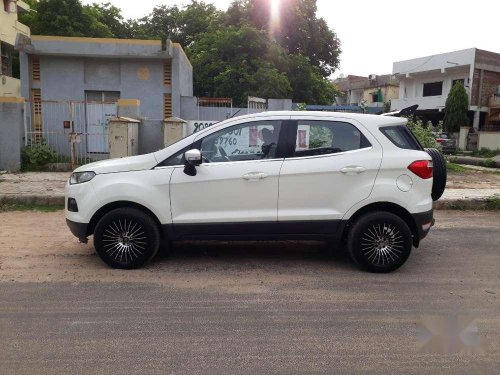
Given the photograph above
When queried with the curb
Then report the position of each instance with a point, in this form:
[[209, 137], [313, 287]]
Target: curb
[[42, 200], [462, 204], [58, 200]]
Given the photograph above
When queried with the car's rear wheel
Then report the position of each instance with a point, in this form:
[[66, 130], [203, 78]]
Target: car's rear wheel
[[126, 238], [379, 242], [439, 173]]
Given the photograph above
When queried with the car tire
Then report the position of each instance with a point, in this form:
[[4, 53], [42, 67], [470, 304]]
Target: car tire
[[379, 242], [126, 238], [439, 173]]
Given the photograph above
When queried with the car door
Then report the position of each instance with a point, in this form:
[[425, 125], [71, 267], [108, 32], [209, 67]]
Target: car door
[[332, 167], [237, 181]]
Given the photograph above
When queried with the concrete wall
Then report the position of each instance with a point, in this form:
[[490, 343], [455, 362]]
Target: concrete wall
[[10, 86], [438, 62], [67, 78], [99, 47], [10, 26], [490, 140], [11, 133]]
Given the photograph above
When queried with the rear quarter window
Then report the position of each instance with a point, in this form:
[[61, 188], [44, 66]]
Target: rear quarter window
[[401, 136]]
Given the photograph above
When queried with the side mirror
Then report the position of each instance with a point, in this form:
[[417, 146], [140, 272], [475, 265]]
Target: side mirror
[[192, 159]]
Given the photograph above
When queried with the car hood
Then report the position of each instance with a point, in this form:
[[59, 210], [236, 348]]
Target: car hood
[[130, 163]]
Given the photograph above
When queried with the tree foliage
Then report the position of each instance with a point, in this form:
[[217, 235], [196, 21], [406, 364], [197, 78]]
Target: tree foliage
[[65, 18], [234, 53], [299, 31], [456, 108], [424, 133], [232, 62]]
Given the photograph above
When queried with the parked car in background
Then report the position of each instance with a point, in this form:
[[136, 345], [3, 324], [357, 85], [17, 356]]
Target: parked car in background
[[448, 144], [363, 181]]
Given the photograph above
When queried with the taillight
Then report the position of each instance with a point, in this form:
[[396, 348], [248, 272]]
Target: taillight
[[440, 140], [422, 168]]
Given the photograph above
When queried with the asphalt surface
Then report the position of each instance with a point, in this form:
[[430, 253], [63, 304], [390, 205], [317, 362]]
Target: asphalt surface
[[283, 308]]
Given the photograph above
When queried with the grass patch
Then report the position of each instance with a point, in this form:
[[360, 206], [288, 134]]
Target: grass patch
[[457, 168], [485, 153], [492, 203], [5, 207]]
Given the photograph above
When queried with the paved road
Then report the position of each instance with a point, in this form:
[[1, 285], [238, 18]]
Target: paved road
[[238, 309]]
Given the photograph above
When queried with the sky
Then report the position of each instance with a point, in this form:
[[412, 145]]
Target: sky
[[374, 34]]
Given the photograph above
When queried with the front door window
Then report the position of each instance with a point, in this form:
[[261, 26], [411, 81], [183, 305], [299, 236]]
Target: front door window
[[248, 141]]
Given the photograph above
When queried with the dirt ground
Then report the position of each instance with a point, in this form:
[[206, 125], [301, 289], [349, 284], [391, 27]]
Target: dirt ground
[[473, 180], [247, 308], [38, 247]]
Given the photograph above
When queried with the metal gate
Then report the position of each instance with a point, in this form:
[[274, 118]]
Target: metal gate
[[76, 131]]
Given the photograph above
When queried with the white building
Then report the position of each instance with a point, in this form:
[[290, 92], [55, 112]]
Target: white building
[[427, 81]]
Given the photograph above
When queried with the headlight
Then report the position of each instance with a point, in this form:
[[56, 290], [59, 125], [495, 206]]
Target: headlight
[[79, 177]]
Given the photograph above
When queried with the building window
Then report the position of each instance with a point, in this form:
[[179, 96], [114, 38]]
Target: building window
[[433, 88], [462, 81], [167, 72], [6, 59], [35, 67], [167, 106], [36, 113]]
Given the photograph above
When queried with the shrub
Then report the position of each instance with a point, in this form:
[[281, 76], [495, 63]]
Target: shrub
[[456, 107], [489, 163], [36, 155], [423, 133]]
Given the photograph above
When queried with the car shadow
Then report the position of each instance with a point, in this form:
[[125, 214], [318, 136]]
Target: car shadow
[[294, 253]]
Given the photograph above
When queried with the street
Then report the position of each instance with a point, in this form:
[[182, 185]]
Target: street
[[242, 308]]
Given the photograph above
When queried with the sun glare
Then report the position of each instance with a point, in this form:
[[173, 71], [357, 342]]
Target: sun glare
[[275, 15]]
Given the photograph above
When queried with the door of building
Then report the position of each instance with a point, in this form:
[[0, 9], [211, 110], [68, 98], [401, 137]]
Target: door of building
[[99, 108]]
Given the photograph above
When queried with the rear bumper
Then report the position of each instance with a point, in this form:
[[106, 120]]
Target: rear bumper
[[79, 230], [424, 222]]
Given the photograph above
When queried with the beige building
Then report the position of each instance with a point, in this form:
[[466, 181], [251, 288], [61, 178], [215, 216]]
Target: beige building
[[380, 89], [374, 90], [9, 28]]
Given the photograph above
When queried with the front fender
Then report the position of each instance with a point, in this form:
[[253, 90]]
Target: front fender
[[148, 188]]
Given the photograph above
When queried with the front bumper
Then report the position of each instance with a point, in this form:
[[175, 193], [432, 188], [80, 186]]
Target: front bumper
[[424, 222], [79, 230]]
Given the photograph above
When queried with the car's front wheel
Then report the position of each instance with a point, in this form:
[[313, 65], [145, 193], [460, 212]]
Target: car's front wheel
[[380, 242], [126, 238]]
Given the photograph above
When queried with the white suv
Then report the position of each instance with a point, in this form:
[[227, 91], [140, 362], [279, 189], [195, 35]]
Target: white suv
[[359, 180]]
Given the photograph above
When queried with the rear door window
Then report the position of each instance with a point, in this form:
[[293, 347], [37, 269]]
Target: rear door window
[[327, 137], [401, 136]]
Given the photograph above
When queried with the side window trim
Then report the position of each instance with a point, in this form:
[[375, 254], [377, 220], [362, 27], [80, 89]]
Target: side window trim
[[291, 154], [330, 155], [183, 150]]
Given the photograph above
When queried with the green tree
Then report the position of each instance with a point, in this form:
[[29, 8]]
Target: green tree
[[180, 25], [233, 62], [111, 16], [64, 18], [423, 133], [456, 108], [300, 31], [308, 85]]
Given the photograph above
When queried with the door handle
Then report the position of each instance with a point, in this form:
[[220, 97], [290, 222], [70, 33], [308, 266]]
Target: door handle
[[353, 169], [253, 176]]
